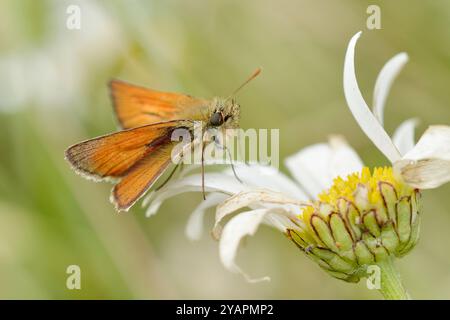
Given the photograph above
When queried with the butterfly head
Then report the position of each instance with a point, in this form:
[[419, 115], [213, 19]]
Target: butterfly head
[[224, 112]]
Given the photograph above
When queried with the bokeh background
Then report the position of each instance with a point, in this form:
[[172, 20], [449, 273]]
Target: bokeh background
[[53, 93]]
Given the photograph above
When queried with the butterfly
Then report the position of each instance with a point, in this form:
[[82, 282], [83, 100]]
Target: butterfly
[[135, 157]]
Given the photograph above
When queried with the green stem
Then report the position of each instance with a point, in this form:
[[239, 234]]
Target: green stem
[[391, 284]]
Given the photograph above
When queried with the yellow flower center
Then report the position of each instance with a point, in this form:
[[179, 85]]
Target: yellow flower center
[[345, 188], [364, 189]]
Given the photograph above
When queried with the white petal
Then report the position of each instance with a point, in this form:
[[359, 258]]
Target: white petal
[[384, 82], [194, 227], [255, 199], [247, 198], [427, 165], [213, 182], [237, 228], [283, 220], [268, 177], [403, 136], [344, 159], [309, 167], [366, 120], [316, 166], [253, 175]]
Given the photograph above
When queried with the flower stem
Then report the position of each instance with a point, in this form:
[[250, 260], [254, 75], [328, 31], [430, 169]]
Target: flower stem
[[391, 284]]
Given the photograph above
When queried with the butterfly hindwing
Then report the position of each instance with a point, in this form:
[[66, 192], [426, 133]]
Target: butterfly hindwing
[[141, 177]]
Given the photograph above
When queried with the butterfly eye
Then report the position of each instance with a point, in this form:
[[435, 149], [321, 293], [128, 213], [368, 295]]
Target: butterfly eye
[[216, 119]]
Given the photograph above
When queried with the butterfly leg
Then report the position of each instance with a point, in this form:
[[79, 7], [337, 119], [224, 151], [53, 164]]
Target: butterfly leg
[[223, 147], [203, 170], [181, 166], [178, 165]]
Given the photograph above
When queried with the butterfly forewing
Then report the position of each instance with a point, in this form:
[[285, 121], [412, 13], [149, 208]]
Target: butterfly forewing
[[114, 154], [136, 106]]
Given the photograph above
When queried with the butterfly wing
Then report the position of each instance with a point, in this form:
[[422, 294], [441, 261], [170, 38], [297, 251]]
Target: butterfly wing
[[136, 156], [112, 155], [136, 106], [141, 177]]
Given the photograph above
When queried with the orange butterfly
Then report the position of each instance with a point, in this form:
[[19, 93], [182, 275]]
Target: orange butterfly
[[137, 156]]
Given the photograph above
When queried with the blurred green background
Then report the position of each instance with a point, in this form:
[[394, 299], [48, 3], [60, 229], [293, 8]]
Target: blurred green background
[[53, 93]]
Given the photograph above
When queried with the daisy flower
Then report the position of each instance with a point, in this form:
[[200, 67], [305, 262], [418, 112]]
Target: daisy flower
[[342, 215]]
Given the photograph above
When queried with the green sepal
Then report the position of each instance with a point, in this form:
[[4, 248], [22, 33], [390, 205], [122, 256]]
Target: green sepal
[[334, 261], [375, 247], [404, 219], [342, 237], [389, 237], [323, 232], [389, 195], [354, 219], [371, 223], [363, 253]]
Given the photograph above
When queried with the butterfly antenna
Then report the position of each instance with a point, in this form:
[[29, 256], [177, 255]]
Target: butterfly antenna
[[253, 76]]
